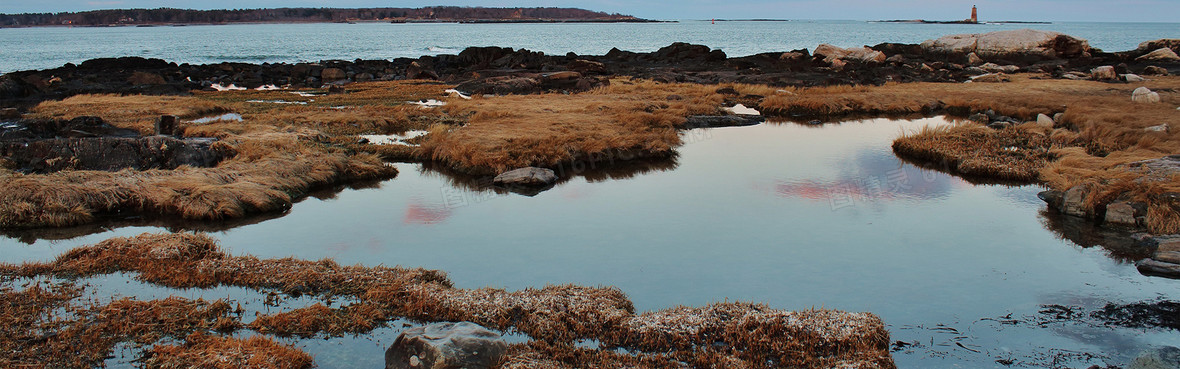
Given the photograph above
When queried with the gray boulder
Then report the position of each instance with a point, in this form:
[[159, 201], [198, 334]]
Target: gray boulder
[[1162, 358], [526, 177], [1162, 54], [446, 346], [1104, 73], [1145, 95], [716, 121], [1158, 268], [1022, 42], [1123, 213]]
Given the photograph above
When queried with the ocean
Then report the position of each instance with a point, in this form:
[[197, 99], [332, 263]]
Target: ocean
[[50, 47]]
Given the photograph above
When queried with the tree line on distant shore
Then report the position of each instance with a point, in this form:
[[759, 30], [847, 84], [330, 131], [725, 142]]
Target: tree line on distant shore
[[186, 16]]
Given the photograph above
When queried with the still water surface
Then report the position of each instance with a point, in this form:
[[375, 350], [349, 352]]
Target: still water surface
[[791, 215]]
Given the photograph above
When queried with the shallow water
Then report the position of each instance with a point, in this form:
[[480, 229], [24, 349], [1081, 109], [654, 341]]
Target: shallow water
[[40, 48], [792, 215]]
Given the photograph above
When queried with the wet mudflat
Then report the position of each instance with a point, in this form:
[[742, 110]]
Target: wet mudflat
[[793, 215]]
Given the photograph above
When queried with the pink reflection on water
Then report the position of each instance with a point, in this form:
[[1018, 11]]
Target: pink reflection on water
[[425, 214]]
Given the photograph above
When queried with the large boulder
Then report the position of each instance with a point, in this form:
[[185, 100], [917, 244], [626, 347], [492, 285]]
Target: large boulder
[[446, 346], [1023, 43], [333, 74], [526, 177], [1162, 54], [1104, 73], [501, 85], [680, 51], [1148, 46], [1145, 95], [830, 54]]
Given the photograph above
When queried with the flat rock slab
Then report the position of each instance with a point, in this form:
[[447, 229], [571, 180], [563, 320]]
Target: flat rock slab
[[111, 153], [446, 345], [526, 177], [717, 121]]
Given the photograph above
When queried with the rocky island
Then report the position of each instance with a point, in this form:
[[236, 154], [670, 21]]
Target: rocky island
[[169, 16]]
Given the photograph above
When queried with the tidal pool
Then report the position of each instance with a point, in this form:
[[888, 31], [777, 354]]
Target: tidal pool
[[794, 216]]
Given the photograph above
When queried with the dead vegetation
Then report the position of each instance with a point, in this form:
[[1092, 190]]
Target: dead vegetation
[[628, 119], [747, 335], [44, 328], [201, 350]]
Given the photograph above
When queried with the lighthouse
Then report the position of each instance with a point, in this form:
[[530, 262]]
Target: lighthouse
[[974, 15]]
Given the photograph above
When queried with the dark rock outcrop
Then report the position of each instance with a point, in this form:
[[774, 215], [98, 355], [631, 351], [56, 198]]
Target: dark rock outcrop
[[89, 143], [112, 153]]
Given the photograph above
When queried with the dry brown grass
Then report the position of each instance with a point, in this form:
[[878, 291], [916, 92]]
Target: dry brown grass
[[268, 172], [978, 152], [43, 328], [746, 334], [629, 118], [136, 112], [212, 352]]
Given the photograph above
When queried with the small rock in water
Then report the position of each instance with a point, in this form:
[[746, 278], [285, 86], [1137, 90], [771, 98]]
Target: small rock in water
[[1144, 95], [528, 176], [446, 345]]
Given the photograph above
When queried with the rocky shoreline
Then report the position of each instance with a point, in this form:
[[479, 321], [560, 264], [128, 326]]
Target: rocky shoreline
[[957, 58]]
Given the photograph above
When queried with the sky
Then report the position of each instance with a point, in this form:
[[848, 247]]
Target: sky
[[994, 10]]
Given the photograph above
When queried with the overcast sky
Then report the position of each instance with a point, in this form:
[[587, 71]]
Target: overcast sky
[[1027, 10]]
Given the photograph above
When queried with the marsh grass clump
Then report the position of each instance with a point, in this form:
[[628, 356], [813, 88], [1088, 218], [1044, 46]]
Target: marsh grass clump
[[631, 119], [974, 151], [47, 327], [202, 350], [138, 112], [268, 173], [742, 335]]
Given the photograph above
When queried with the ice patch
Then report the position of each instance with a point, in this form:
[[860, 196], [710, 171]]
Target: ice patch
[[307, 94], [227, 117], [231, 87], [395, 139], [456, 92], [432, 103], [278, 102], [268, 88], [740, 109]]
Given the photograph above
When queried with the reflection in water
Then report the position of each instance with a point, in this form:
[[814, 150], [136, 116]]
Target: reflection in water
[[1118, 244], [110, 222], [419, 212], [871, 177]]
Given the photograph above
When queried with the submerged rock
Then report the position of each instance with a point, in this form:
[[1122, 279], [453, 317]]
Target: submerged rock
[[527, 177], [446, 346], [1162, 358], [716, 121]]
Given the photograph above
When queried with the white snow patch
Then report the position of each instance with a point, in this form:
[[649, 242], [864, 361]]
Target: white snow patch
[[740, 109]]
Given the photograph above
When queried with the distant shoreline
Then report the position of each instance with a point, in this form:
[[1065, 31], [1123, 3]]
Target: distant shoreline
[[923, 21], [445, 14]]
